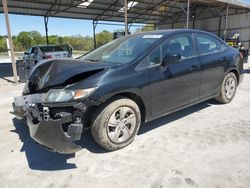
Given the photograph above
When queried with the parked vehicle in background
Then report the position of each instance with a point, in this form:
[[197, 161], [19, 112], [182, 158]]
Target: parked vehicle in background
[[234, 41], [126, 82], [119, 33], [41, 52]]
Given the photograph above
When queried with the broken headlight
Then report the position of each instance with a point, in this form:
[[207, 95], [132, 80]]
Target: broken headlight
[[61, 95]]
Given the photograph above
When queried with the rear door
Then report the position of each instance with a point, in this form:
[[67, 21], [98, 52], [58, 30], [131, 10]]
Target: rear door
[[178, 84], [213, 63]]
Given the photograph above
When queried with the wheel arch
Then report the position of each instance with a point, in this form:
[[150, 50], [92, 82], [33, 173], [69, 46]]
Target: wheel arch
[[134, 97], [237, 74]]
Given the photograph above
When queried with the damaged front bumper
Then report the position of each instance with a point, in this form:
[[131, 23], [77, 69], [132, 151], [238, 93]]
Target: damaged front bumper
[[56, 130]]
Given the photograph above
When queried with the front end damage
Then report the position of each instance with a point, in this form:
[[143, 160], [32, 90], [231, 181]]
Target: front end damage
[[56, 104], [54, 126]]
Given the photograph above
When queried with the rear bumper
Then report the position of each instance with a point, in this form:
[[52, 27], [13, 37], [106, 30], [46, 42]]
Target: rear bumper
[[48, 131]]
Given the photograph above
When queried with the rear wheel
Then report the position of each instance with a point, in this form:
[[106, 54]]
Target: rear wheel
[[228, 89], [116, 124]]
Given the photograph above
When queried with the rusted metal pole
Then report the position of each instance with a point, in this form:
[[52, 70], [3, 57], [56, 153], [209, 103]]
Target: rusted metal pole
[[94, 33], [219, 26], [46, 21], [188, 10], [126, 16], [226, 23], [6, 14]]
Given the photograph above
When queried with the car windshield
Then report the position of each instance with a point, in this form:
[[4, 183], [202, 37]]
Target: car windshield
[[51, 48], [123, 50]]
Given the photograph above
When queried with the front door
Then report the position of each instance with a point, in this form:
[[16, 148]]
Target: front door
[[177, 84]]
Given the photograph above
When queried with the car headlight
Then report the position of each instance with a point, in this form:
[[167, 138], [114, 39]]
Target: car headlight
[[61, 95]]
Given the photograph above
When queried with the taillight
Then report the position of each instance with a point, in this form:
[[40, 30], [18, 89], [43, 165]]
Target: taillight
[[48, 56]]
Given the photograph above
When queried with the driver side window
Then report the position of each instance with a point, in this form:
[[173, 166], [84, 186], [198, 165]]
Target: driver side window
[[181, 45]]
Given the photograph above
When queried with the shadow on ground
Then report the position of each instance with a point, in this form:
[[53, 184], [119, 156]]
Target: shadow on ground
[[247, 71], [40, 159], [174, 116]]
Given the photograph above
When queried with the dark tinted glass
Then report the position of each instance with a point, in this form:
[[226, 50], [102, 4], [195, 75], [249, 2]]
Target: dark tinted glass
[[179, 44], [208, 44], [51, 48]]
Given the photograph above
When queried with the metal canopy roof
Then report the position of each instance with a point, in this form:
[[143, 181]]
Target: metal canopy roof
[[140, 11]]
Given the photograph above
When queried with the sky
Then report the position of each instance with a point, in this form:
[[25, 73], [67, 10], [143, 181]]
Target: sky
[[57, 26]]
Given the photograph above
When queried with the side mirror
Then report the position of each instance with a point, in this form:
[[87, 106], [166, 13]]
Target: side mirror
[[171, 59]]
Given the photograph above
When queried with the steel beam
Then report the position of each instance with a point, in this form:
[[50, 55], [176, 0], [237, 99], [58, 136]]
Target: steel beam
[[46, 21], [188, 12], [6, 14], [226, 23], [219, 25], [126, 16], [94, 32]]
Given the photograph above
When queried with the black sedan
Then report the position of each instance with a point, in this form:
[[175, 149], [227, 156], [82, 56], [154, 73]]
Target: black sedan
[[131, 80]]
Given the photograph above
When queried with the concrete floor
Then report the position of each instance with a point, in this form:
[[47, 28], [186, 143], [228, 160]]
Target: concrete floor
[[207, 145]]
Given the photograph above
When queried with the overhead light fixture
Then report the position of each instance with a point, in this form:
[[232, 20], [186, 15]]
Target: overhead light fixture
[[130, 5], [85, 3]]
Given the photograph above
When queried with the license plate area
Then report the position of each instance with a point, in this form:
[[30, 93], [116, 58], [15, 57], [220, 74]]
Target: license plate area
[[27, 100]]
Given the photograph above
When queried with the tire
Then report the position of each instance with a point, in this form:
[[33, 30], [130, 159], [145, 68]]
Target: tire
[[225, 96], [110, 130]]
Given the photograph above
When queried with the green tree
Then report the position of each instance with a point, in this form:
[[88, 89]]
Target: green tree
[[3, 45], [17, 45], [147, 27], [60, 40], [25, 39], [103, 37], [37, 38]]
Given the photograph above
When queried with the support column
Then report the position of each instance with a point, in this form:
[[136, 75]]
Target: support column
[[6, 14], [219, 26], [188, 10], [193, 15], [94, 34], [172, 25], [126, 16], [226, 23], [46, 20]]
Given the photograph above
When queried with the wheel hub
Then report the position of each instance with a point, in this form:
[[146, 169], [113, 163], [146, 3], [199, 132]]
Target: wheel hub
[[121, 124]]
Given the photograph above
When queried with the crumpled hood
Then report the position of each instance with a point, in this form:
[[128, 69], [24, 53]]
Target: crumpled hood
[[56, 72]]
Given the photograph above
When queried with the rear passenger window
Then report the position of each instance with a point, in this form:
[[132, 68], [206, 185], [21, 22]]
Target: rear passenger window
[[208, 44]]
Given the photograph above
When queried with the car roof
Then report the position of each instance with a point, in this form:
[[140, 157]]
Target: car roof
[[167, 32], [170, 31], [45, 45]]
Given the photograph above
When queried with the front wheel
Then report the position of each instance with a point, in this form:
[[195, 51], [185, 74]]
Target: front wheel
[[116, 124], [228, 89]]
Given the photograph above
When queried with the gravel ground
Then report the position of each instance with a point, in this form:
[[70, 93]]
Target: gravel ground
[[207, 145]]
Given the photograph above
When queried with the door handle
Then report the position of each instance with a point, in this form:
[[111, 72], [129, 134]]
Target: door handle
[[195, 67]]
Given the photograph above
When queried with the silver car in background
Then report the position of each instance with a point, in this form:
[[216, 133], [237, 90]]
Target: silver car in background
[[41, 52]]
